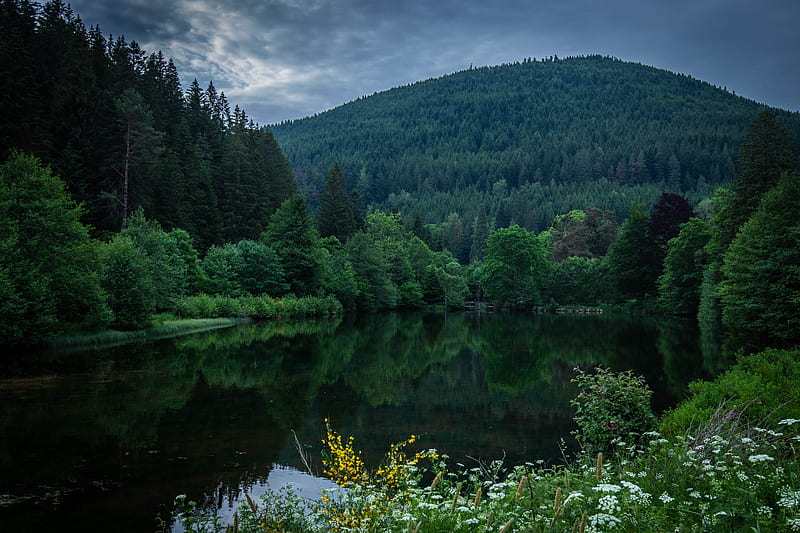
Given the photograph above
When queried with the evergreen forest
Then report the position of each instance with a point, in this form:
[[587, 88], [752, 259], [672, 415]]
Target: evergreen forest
[[128, 200]]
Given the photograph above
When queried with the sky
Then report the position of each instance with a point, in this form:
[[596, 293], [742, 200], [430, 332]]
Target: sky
[[287, 59]]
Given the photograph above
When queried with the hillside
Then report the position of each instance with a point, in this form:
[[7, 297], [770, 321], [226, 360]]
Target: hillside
[[528, 140]]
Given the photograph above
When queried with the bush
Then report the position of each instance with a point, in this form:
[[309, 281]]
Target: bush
[[610, 406], [227, 306], [197, 306], [760, 388]]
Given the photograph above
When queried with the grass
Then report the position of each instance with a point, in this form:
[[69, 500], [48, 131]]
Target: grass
[[161, 330]]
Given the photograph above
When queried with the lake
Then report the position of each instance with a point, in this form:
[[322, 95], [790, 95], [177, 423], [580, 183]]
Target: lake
[[105, 440]]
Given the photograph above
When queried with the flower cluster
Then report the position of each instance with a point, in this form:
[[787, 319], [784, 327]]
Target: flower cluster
[[713, 483]]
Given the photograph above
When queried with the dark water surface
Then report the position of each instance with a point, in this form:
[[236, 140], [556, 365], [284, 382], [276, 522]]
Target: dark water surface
[[105, 440]]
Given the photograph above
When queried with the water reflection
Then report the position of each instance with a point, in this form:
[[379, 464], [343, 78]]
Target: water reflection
[[112, 437]]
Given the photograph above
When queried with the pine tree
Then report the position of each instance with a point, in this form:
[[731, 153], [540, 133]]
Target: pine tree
[[632, 259], [335, 216], [766, 151], [291, 232], [761, 272]]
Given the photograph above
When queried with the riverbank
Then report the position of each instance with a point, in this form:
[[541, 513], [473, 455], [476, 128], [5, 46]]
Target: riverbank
[[164, 330]]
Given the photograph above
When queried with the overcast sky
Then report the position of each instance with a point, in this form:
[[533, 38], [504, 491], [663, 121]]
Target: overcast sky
[[285, 59]]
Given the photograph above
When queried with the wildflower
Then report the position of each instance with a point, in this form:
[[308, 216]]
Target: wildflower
[[760, 458], [572, 496], [765, 511], [789, 498], [602, 521], [665, 497], [608, 504], [607, 487], [788, 421]]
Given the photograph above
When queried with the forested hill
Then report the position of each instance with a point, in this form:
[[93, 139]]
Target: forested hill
[[529, 140]]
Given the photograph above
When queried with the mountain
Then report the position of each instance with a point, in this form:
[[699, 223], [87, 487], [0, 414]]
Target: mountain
[[528, 140]]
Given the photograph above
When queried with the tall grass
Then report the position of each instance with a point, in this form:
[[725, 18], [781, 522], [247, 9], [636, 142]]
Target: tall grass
[[111, 338]]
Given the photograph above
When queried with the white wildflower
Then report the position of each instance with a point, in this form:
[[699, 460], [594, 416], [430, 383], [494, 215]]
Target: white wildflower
[[471, 521], [607, 487], [794, 523], [789, 497], [608, 504], [572, 496], [788, 421], [602, 522], [665, 497], [760, 458], [765, 511]]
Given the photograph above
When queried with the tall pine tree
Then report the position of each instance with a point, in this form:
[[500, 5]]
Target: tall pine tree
[[335, 216]]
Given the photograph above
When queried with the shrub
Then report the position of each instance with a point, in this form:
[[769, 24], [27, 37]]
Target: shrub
[[610, 406], [227, 306], [197, 306], [759, 388]]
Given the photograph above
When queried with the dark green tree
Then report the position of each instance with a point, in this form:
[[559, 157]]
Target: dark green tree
[[373, 273], [173, 262], [335, 216], [49, 268], [632, 259], [766, 151], [261, 272], [760, 289], [684, 264], [517, 263], [291, 232], [140, 143], [669, 212], [128, 282]]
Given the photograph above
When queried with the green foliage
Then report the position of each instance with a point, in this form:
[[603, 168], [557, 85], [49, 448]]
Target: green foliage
[[128, 282], [256, 307], [336, 215], [578, 281], [583, 233], [679, 283], [172, 261], [611, 407], [766, 152], [376, 290], [517, 263], [50, 266], [760, 289], [291, 232], [759, 389], [632, 259]]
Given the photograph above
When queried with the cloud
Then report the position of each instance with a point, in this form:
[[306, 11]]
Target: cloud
[[282, 59]]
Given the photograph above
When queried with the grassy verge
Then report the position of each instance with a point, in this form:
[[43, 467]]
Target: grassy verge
[[167, 329]]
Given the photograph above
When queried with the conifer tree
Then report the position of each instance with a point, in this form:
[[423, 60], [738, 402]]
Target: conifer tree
[[291, 232], [335, 216]]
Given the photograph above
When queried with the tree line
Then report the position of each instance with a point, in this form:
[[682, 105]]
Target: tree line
[[114, 123], [736, 267]]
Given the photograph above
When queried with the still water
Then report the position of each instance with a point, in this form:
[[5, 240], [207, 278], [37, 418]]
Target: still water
[[105, 440]]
